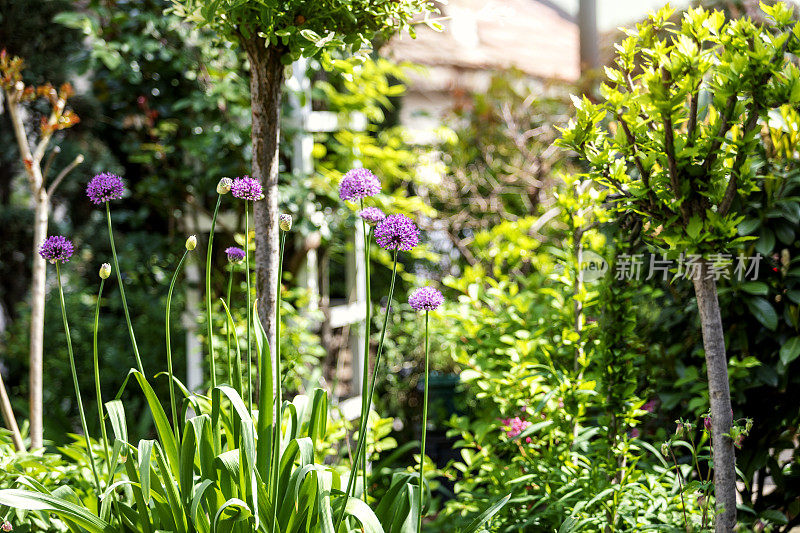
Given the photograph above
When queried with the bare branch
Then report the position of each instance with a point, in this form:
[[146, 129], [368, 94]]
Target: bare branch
[[61, 175]]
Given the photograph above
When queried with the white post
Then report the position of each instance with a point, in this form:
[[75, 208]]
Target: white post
[[357, 293], [194, 350]]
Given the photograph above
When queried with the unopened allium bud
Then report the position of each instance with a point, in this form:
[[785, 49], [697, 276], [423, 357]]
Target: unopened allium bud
[[105, 270], [224, 186], [191, 243], [285, 222]]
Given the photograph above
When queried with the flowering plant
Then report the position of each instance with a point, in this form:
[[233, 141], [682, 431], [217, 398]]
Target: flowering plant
[[237, 457]]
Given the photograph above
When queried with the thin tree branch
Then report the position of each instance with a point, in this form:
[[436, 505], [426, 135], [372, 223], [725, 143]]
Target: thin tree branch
[[58, 110], [22, 137], [61, 175], [741, 156], [632, 142], [692, 125], [713, 150], [669, 146], [46, 170]]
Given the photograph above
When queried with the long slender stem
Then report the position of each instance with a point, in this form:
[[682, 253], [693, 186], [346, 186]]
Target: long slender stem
[[276, 447], [424, 430], [680, 484], [365, 376], [249, 310], [122, 291], [228, 327], [172, 402], [209, 329], [75, 381], [362, 435], [96, 358]]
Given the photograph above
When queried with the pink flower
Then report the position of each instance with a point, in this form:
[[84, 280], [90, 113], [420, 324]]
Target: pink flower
[[650, 406], [515, 426]]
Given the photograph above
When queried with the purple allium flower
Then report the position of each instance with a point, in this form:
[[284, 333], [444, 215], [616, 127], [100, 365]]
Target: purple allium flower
[[235, 254], [358, 183], [425, 299], [397, 232], [246, 188], [56, 249], [372, 215], [105, 187]]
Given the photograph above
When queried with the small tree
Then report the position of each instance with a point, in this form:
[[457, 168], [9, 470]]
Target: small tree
[[273, 35], [684, 106], [32, 154]]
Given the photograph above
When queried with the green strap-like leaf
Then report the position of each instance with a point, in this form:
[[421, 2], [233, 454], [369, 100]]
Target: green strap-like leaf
[[487, 514], [34, 501]]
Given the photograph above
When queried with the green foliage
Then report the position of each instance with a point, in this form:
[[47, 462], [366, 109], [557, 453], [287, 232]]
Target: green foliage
[[673, 133], [555, 367], [760, 318], [300, 28]]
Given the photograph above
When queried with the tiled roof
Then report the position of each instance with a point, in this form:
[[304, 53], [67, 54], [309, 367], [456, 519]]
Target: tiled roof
[[531, 35]]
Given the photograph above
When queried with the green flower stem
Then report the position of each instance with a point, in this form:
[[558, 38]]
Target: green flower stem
[[362, 434], [122, 292], [75, 381], [97, 383], [209, 328], [424, 431], [172, 402], [249, 311], [365, 376], [228, 328], [278, 400]]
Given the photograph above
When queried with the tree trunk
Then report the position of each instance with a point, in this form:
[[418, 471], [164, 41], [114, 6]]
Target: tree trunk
[[38, 279], [720, 398], [266, 82]]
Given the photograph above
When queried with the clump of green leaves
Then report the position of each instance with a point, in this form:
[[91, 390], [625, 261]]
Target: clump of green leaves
[[679, 117], [304, 28]]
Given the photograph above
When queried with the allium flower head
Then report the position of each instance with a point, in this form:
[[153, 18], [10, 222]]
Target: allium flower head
[[358, 183], [191, 242], [235, 254], [105, 187], [372, 215], [56, 249], [425, 299], [105, 271], [246, 188], [285, 222], [224, 186], [397, 232]]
